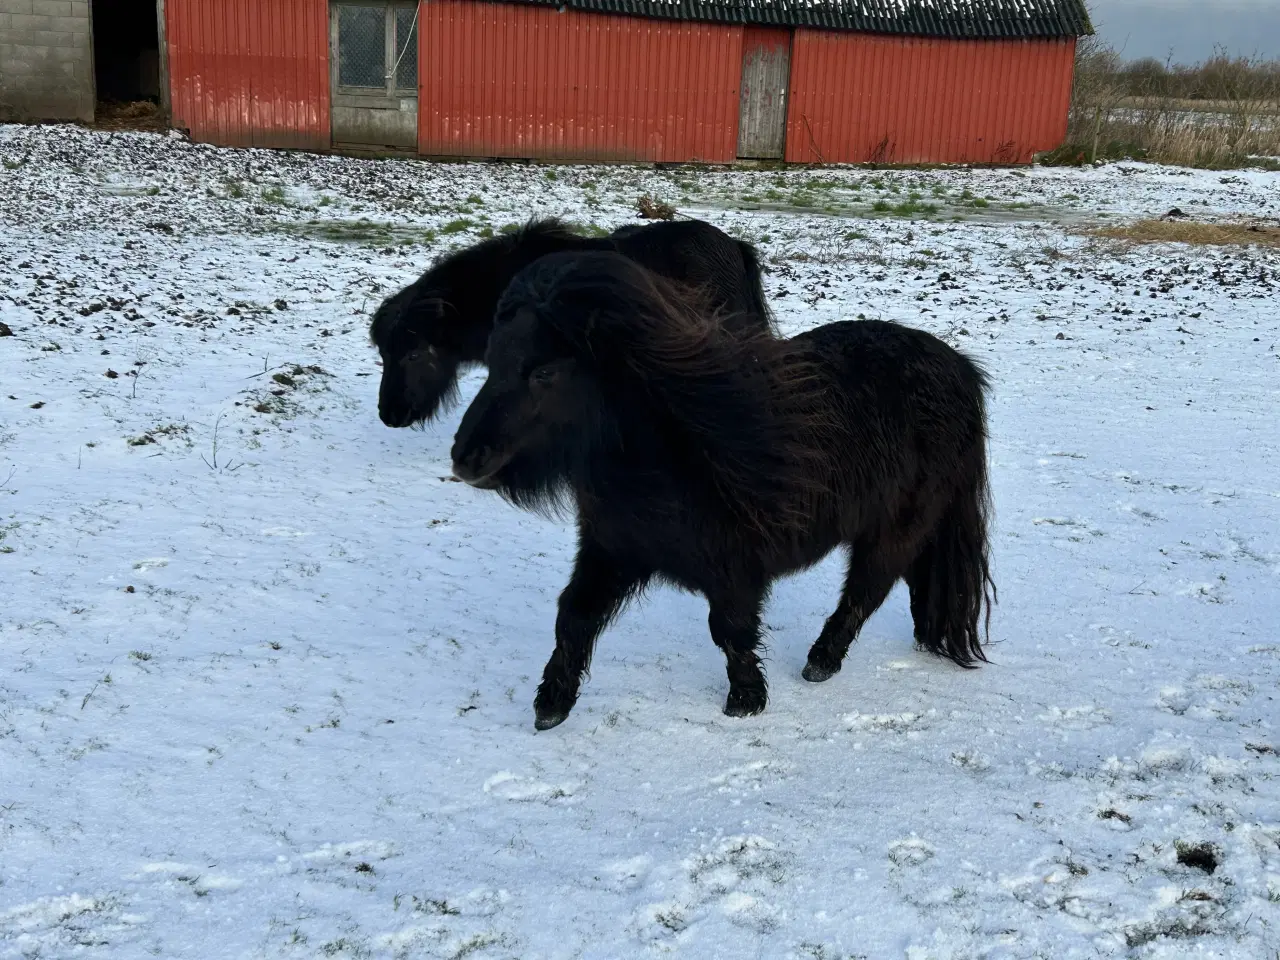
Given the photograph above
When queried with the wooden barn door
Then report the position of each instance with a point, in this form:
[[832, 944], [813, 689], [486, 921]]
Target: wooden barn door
[[374, 73], [766, 76]]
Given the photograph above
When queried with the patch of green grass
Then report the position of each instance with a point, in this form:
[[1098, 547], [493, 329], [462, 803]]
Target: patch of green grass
[[882, 206], [457, 226], [353, 231], [551, 175], [476, 200], [275, 195], [153, 191], [235, 190], [910, 208], [589, 229], [12, 164]]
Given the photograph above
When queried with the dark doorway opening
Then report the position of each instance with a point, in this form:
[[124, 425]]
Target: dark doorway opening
[[126, 51]]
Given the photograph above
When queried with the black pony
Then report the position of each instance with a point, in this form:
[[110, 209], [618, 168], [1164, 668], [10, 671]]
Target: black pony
[[441, 322], [719, 463]]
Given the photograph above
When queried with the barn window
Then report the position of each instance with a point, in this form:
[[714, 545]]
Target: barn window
[[406, 47], [377, 47]]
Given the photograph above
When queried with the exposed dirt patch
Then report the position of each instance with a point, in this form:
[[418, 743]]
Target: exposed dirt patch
[[138, 115], [1195, 233]]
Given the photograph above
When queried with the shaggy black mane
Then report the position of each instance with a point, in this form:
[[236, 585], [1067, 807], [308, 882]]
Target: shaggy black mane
[[439, 324]]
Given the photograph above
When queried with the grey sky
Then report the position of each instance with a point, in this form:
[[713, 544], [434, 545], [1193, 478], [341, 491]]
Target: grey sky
[[1191, 28]]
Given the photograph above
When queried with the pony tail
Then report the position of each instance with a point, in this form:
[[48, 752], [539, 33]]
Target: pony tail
[[960, 590]]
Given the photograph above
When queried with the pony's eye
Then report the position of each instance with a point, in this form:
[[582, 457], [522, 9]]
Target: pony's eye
[[544, 375]]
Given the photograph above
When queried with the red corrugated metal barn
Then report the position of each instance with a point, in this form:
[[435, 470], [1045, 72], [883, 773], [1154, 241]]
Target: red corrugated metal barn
[[829, 81]]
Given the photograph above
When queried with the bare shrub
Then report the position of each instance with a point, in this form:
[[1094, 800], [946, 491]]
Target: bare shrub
[[1223, 112], [651, 209]]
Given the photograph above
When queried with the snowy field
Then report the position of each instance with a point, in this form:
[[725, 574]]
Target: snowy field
[[266, 674]]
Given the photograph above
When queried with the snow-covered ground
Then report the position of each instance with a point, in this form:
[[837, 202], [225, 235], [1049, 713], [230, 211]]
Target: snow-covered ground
[[266, 675]]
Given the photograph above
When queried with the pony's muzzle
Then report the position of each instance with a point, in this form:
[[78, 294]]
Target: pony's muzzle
[[476, 475]]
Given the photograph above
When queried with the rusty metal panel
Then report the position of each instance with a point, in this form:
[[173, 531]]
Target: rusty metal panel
[[250, 72], [864, 98], [766, 75], [505, 80]]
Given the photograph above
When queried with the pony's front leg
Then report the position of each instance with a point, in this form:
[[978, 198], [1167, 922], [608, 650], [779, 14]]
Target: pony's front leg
[[600, 585], [735, 628]]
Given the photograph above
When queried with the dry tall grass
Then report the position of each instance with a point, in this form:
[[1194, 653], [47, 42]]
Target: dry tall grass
[[1222, 113], [1193, 232]]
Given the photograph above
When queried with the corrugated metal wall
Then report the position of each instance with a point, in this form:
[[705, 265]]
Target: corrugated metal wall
[[863, 98], [503, 80], [250, 72]]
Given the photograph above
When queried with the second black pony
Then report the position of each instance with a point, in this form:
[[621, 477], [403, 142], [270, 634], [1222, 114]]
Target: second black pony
[[441, 322], [720, 462]]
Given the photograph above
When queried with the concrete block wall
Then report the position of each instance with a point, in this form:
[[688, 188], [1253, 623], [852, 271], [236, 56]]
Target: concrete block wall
[[46, 60]]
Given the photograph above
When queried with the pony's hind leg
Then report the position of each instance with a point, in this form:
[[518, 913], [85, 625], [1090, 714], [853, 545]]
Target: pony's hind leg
[[920, 582], [594, 595], [735, 628], [866, 585]]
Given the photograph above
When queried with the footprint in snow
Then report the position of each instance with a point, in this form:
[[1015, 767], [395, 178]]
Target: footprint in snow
[[911, 852], [1085, 717], [1174, 699], [745, 910], [1213, 697], [749, 776], [625, 875], [908, 723], [357, 850], [736, 877], [1207, 592], [509, 786]]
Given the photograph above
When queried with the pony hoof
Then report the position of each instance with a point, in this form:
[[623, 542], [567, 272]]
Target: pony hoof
[[545, 721], [815, 673], [744, 704]]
